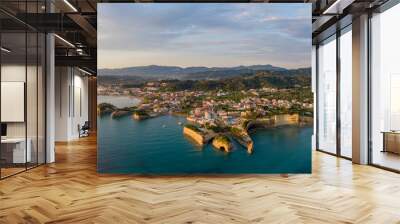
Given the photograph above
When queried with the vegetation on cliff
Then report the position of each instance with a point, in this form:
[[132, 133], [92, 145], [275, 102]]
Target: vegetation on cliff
[[245, 123], [222, 142], [223, 139], [216, 128], [120, 113], [260, 80], [237, 131], [105, 108], [193, 127], [141, 113]]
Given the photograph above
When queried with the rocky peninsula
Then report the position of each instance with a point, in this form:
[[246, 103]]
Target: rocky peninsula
[[222, 142], [105, 108], [242, 137], [195, 134], [119, 113], [140, 115]]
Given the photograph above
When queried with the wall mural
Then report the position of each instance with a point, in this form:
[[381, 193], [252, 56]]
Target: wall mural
[[204, 88]]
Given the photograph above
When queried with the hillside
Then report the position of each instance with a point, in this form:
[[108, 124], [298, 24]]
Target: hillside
[[175, 72], [259, 80]]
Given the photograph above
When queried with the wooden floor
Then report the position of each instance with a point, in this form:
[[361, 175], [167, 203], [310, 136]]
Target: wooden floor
[[70, 191]]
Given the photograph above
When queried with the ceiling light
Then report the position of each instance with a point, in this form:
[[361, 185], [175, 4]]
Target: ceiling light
[[84, 71], [70, 5], [338, 6], [79, 51], [5, 50], [64, 40]]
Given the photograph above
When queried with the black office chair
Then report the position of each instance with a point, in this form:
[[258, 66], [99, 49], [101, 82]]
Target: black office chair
[[84, 130]]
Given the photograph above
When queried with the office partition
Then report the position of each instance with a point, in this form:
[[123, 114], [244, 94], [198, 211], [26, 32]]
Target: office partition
[[385, 88], [22, 77], [327, 95]]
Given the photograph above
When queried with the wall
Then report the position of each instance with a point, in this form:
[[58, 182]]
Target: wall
[[14, 73], [33, 126], [17, 73], [71, 102]]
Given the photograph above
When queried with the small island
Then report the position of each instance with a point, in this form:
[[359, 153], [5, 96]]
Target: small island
[[105, 108], [140, 115], [222, 143]]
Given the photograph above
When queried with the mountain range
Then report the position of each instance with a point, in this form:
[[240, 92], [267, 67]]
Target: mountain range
[[176, 72]]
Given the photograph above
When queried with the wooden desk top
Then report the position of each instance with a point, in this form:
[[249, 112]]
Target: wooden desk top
[[391, 132]]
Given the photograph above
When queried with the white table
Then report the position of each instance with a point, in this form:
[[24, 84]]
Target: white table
[[20, 155]]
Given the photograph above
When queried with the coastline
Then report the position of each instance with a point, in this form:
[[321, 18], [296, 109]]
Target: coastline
[[146, 139], [240, 132], [243, 138]]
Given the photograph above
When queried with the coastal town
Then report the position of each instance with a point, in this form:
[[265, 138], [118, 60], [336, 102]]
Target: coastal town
[[214, 113]]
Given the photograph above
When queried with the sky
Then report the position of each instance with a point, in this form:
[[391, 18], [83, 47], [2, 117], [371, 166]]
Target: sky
[[198, 34]]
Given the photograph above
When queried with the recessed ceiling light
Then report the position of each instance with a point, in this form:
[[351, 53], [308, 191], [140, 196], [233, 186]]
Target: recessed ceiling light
[[86, 72], [70, 5], [64, 40], [338, 6], [5, 50]]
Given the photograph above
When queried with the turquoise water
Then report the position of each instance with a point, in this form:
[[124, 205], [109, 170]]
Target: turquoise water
[[157, 146]]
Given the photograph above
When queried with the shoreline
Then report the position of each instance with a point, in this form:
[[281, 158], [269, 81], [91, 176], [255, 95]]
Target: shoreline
[[245, 139], [243, 135]]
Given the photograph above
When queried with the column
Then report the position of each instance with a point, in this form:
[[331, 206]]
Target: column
[[360, 90]]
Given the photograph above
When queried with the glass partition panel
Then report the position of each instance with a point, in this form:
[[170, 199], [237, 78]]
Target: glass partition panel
[[346, 93], [14, 153], [385, 89], [22, 87], [327, 95]]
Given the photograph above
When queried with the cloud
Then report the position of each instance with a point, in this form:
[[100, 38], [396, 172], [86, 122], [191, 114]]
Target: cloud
[[204, 34]]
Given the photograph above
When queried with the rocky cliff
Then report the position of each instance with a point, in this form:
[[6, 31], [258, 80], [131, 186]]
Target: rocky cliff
[[222, 142], [286, 119], [139, 117], [196, 136], [119, 113], [250, 147]]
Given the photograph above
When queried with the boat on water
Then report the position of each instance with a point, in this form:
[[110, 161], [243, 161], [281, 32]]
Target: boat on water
[[180, 123]]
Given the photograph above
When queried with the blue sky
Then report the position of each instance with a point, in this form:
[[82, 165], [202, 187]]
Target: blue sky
[[204, 34]]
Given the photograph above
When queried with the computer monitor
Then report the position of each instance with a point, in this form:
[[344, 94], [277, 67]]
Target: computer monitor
[[3, 129]]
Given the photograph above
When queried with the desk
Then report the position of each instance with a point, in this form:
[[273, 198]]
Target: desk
[[391, 141], [19, 154]]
